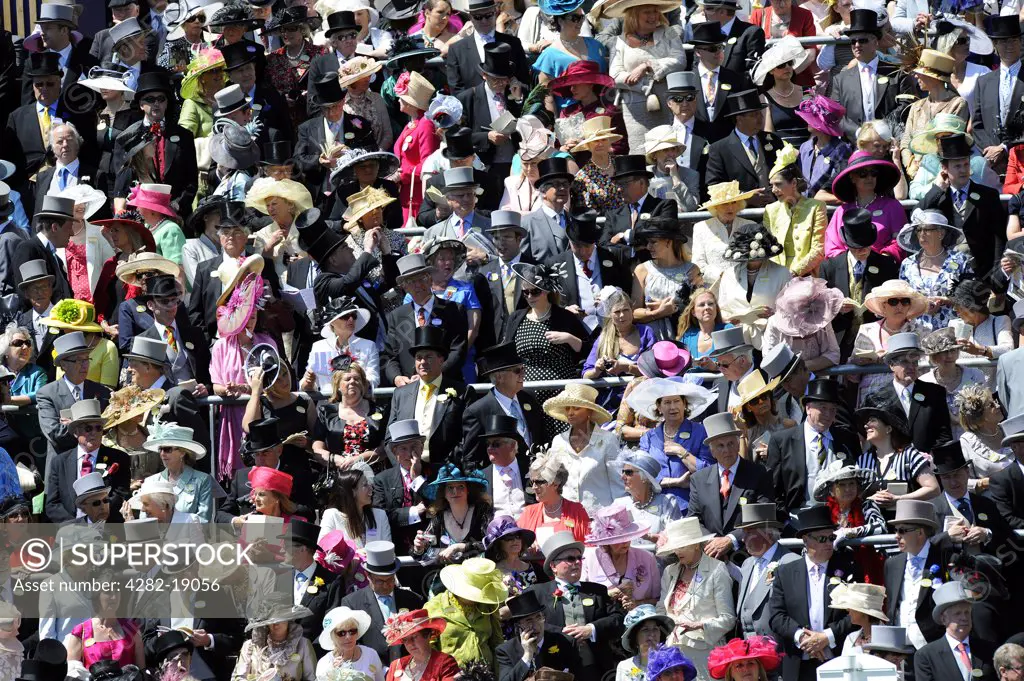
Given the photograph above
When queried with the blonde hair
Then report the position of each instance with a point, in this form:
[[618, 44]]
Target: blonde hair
[[550, 467], [338, 376], [608, 345], [631, 23], [972, 401], [686, 318]]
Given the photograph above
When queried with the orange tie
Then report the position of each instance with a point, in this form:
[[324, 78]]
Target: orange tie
[[726, 487], [170, 338]]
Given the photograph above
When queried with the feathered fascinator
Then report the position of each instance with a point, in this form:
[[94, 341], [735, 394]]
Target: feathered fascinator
[[545, 277], [445, 111], [752, 242], [787, 156], [760, 648]]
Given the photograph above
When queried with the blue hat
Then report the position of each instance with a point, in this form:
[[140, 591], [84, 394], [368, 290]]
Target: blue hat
[[639, 615], [647, 465], [554, 8], [665, 658], [452, 473]]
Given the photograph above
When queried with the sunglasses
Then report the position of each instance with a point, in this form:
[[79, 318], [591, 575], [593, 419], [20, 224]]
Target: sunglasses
[[21, 344], [628, 473], [532, 293], [724, 365], [711, 48], [860, 41], [166, 450], [99, 502], [482, 16], [679, 99], [893, 302], [345, 632], [199, 18], [536, 483], [905, 530], [94, 428], [575, 18], [570, 559], [826, 539], [869, 172], [154, 99]]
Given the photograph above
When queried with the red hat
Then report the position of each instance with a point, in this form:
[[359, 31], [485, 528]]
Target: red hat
[[263, 477], [155, 197], [760, 648], [578, 72], [398, 628]]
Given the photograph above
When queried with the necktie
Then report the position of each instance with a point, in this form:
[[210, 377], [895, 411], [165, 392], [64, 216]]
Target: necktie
[[86, 464], [506, 473], [506, 273], [820, 450], [428, 389], [45, 121], [487, 39], [499, 102], [755, 159], [421, 317], [634, 213], [387, 603], [712, 89], [726, 487], [573, 589], [917, 565], [517, 412], [561, 220], [1005, 92], [171, 342], [906, 399], [759, 568], [587, 270], [161, 161], [301, 577], [965, 657], [858, 271], [869, 92], [964, 506], [63, 183], [958, 199], [76, 392], [406, 489]]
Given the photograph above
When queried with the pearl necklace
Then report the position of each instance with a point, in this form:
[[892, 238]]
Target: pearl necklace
[[792, 89]]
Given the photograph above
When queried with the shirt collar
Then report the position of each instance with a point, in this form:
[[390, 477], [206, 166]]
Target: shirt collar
[[72, 167], [1012, 68], [80, 386], [810, 563], [427, 309], [953, 643], [732, 470], [703, 71], [727, 26], [743, 138], [36, 316], [810, 432], [592, 261], [549, 211], [82, 452], [436, 382], [40, 108], [505, 402], [770, 553], [953, 502], [873, 64], [309, 571], [513, 261]]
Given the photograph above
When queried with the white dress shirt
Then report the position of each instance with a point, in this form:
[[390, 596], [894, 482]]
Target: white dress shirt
[[588, 288], [953, 645], [509, 496], [705, 74], [903, 393], [816, 579], [38, 327], [911, 591]]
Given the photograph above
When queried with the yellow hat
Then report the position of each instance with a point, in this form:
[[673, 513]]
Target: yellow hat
[[365, 201], [73, 315]]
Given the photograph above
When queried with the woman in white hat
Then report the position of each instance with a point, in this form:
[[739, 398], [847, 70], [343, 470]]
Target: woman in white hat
[[696, 593], [111, 81], [179, 452], [156, 499], [356, 74], [343, 318], [864, 602], [342, 629], [590, 449], [282, 200], [775, 74], [87, 249], [711, 236], [934, 266]]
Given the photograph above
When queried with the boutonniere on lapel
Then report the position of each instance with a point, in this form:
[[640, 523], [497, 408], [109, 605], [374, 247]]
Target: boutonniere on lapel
[[493, 276], [935, 581], [826, 160], [553, 650], [872, 269], [839, 576], [376, 416], [769, 572], [557, 595], [918, 397], [315, 586]]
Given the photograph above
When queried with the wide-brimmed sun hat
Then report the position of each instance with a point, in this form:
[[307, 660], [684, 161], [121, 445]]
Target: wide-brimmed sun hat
[[72, 314], [896, 288], [275, 609], [452, 473], [109, 76], [335, 618], [209, 59], [576, 395], [147, 261], [835, 472], [682, 533], [755, 384], [172, 435], [786, 50], [806, 305], [764, 649], [344, 167], [636, 617], [935, 64], [580, 72], [129, 402], [907, 236], [823, 114], [661, 138], [365, 201], [403, 625], [644, 398], [614, 525], [616, 9], [502, 527], [866, 599], [264, 188], [477, 580], [594, 130], [888, 176], [357, 68], [337, 308]]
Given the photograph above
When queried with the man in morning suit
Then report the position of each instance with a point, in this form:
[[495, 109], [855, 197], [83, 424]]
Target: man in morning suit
[[856, 272], [716, 82], [381, 600], [398, 361], [463, 62], [924, 404], [955, 656], [504, 368], [462, 188], [484, 103], [747, 153], [507, 476], [187, 349], [85, 423], [52, 231], [955, 199], [744, 42], [1006, 488], [36, 289], [719, 493], [268, 106], [498, 289], [429, 396], [396, 489], [999, 93], [310, 580], [57, 27], [343, 38], [535, 645], [879, 99], [65, 143], [761, 533], [583, 611], [797, 455], [799, 613], [631, 175], [545, 226]]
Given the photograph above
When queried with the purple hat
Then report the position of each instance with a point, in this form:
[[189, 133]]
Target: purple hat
[[504, 526], [665, 658], [665, 358], [822, 113], [888, 176], [614, 525], [806, 305]]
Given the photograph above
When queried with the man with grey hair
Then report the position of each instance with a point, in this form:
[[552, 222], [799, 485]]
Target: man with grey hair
[[1008, 661], [545, 227], [68, 169], [761, 532], [734, 357]]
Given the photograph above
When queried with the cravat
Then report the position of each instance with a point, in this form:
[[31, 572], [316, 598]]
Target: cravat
[[905, 399], [573, 590], [169, 333], [964, 506], [965, 657], [917, 564], [858, 271], [76, 392], [63, 183], [421, 317], [86, 463], [45, 121], [726, 487], [587, 271], [712, 90]]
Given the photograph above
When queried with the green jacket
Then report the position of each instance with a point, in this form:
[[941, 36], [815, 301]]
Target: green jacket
[[466, 638]]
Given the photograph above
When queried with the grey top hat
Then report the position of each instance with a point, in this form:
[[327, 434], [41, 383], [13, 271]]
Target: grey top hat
[[148, 350], [728, 340], [230, 99], [380, 558], [89, 484], [57, 207], [752, 515], [70, 344], [33, 271], [234, 147], [903, 342], [1013, 429], [459, 178], [411, 265], [682, 81], [141, 530], [950, 593], [506, 219], [52, 12], [404, 431], [779, 361], [83, 411], [719, 425], [126, 29], [888, 639], [915, 513], [556, 544]]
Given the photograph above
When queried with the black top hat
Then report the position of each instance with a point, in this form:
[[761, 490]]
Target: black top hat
[[429, 338], [159, 286], [315, 237], [524, 605], [554, 168], [112, 4], [277, 154], [630, 166], [329, 90], [263, 434], [1003, 27], [341, 21], [499, 425], [52, 658], [42, 64], [863, 21], [153, 81], [661, 223], [953, 147], [817, 517], [822, 390], [241, 53], [104, 670], [289, 16], [167, 643], [496, 358], [858, 229], [948, 457], [582, 228], [498, 60], [708, 33], [889, 413], [302, 532], [743, 102], [459, 143]]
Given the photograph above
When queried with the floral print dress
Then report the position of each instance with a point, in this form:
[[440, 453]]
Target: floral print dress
[[955, 268], [597, 189]]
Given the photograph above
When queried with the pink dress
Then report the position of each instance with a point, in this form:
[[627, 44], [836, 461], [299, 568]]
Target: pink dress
[[413, 146], [641, 569], [122, 650], [227, 365]]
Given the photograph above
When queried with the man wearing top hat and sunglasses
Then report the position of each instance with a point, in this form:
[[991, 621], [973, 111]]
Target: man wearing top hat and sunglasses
[[460, 153], [52, 231], [712, 85], [491, 101], [187, 349], [343, 37], [748, 152], [464, 61], [744, 42]]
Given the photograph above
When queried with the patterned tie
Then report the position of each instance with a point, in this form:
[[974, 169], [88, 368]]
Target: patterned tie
[[819, 447], [634, 213], [406, 489], [917, 564], [499, 102], [301, 577], [858, 271], [712, 89], [86, 464], [169, 333], [958, 199], [573, 589], [726, 487], [161, 160], [964, 506], [421, 317], [1005, 94]]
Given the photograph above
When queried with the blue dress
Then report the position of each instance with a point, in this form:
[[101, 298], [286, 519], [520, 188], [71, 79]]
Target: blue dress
[[553, 61], [691, 437], [956, 267], [689, 339]]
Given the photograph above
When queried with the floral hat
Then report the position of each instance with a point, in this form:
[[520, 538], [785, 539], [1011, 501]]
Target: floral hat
[[764, 649], [276, 608], [71, 314], [363, 202], [722, 193], [405, 624], [787, 156], [208, 59], [451, 473], [445, 111], [666, 658], [752, 241], [806, 305], [335, 553], [358, 68], [505, 526], [614, 525], [130, 402], [343, 168], [823, 114]]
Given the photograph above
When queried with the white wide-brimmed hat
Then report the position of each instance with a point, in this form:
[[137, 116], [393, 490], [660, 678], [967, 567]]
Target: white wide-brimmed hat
[[785, 50], [644, 399], [864, 598], [339, 616], [682, 533], [81, 193]]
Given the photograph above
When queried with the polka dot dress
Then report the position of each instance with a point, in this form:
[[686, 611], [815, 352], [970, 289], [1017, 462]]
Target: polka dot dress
[[545, 362]]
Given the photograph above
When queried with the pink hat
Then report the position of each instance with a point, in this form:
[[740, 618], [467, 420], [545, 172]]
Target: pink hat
[[155, 197], [806, 305], [336, 554], [614, 525], [264, 477], [822, 113], [669, 358]]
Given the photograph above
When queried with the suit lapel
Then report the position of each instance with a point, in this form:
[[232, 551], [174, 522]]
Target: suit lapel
[[170, 150], [741, 153], [949, 662], [571, 282], [915, 406]]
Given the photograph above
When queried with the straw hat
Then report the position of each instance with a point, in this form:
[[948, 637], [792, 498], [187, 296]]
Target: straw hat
[[130, 402], [835, 472], [896, 288], [596, 129], [207, 60], [477, 580], [864, 598], [644, 399], [339, 616], [907, 236], [806, 305], [356, 69], [290, 190], [755, 384], [576, 395], [935, 64], [616, 9], [682, 533], [416, 91], [128, 272], [73, 315], [660, 138], [726, 192], [231, 277], [365, 201]]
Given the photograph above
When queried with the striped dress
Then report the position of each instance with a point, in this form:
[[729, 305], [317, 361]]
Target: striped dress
[[902, 466]]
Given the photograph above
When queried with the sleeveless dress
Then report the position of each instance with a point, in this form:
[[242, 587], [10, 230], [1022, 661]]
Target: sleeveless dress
[[545, 362], [790, 127], [122, 650], [664, 283]]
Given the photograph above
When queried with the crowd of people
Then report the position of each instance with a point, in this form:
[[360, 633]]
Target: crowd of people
[[225, 227]]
